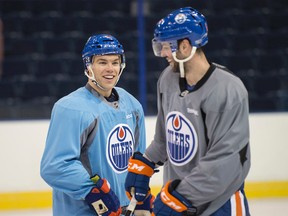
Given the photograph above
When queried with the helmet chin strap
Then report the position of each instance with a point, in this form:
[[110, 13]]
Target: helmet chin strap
[[93, 77], [181, 62]]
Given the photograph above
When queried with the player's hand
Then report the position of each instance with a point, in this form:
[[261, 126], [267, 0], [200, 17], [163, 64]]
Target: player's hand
[[145, 208], [140, 169], [102, 199], [170, 203]]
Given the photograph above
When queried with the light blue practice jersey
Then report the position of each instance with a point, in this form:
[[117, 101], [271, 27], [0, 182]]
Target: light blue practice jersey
[[89, 135]]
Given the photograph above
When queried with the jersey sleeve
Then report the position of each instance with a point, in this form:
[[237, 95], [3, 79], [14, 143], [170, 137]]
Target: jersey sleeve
[[61, 167], [156, 151], [140, 131], [141, 145]]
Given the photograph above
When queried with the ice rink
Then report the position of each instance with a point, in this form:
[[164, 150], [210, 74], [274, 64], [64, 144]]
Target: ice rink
[[258, 207]]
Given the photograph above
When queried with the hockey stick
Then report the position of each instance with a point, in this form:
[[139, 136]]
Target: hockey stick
[[132, 205]]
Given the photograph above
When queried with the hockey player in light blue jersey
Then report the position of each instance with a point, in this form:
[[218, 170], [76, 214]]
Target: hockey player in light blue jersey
[[93, 131]]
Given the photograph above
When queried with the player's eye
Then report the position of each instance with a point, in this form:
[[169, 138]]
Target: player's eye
[[166, 48], [116, 63], [102, 62]]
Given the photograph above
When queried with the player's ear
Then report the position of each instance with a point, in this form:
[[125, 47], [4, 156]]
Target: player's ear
[[89, 70], [184, 46]]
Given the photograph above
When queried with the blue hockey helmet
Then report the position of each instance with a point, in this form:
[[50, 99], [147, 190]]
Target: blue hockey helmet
[[180, 24], [102, 44]]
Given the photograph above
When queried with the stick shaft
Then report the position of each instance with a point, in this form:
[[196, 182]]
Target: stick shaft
[[131, 207]]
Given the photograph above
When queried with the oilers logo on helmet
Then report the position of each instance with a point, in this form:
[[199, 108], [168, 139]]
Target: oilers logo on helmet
[[182, 140], [120, 147], [180, 18]]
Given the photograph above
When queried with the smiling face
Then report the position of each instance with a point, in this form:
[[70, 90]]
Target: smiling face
[[106, 70], [166, 52]]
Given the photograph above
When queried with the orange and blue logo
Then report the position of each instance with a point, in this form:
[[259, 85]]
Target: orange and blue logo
[[181, 139], [120, 147]]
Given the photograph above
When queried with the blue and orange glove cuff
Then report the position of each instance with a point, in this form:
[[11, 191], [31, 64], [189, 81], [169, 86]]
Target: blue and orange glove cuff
[[140, 165], [180, 203], [147, 204]]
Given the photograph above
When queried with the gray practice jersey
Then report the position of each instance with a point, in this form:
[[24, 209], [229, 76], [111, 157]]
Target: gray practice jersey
[[202, 136]]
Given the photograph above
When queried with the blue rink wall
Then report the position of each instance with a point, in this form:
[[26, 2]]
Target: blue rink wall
[[22, 144]]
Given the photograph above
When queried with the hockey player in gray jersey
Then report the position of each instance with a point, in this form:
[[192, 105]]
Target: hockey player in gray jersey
[[202, 128], [93, 131]]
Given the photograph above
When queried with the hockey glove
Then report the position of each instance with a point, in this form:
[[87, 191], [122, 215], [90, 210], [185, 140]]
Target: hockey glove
[[145, 208], [102, 199], [170, 203], [140, 170]]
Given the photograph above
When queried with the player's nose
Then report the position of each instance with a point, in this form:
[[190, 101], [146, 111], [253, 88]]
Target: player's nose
[[163, 53]]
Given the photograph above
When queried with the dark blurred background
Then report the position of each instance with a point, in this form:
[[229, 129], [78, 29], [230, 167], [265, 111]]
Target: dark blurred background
[[42, 41]]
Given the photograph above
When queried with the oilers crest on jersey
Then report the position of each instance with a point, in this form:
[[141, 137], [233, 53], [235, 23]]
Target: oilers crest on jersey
[[120, 147], [182, 140]]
